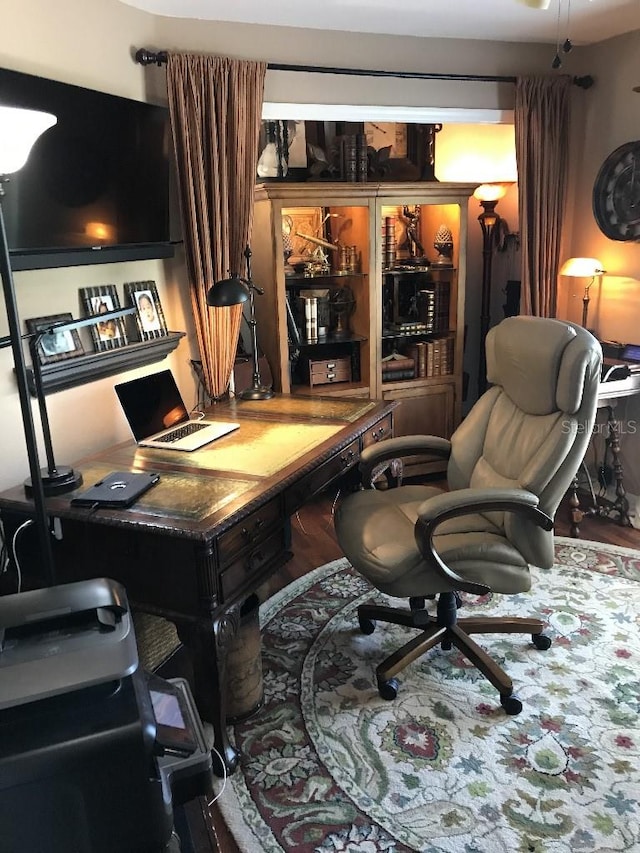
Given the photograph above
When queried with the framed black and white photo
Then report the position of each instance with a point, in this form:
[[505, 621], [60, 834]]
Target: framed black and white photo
[[55, 345], [150, 321], [110, 334]]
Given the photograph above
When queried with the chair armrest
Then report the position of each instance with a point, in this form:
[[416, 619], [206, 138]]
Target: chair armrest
[[396, 448], [447, 505]]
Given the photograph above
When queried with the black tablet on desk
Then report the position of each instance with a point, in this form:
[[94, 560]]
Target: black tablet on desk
[[119, 489]]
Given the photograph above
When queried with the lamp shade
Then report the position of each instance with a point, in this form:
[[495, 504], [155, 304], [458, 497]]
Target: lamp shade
[[229, 291], [19, 130], [581, 267], [490, 192]]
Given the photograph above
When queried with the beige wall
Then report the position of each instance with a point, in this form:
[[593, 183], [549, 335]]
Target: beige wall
[[608, 117], [92, 44]]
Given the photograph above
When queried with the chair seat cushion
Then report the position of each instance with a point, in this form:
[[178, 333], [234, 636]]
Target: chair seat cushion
[[375, 530]]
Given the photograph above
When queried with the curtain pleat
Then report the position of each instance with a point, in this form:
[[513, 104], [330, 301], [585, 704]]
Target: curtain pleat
[[215, 105], [542, 153]]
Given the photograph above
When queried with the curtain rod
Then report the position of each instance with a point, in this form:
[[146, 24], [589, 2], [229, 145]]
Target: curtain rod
[[151, 57]]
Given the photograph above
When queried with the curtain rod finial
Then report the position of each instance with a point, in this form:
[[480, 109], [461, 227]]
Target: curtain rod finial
[[143, 56]]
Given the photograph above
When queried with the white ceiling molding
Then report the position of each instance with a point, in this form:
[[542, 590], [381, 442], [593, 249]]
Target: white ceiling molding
[[359, 112]]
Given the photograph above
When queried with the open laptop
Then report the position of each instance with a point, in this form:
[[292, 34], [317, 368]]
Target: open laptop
[[159, 418]]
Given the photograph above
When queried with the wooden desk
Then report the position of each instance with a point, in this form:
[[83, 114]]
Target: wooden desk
[[216, 525]]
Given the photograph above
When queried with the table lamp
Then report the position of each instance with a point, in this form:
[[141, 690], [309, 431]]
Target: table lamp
[[583, 268], [234, 291]]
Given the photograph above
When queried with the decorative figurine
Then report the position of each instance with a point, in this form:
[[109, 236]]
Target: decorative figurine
[[443, 244]]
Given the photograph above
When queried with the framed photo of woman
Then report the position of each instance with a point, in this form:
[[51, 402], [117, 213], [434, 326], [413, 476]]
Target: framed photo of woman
[[109, 334], [143, 295]]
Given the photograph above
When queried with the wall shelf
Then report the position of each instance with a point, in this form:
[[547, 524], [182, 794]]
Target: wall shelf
[[96, 365]]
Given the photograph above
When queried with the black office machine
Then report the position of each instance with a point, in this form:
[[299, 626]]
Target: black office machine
[[91, 759]]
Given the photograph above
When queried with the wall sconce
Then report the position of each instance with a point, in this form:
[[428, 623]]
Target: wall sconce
[[583, 268], [234, 291], [488, 195]]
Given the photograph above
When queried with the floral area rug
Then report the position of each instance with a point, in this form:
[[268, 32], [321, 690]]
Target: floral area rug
[[327, 765]]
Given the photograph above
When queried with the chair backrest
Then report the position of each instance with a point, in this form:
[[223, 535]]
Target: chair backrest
[[531, 429]]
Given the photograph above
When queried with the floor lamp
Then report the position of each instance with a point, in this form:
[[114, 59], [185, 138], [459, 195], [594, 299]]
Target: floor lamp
[[234, 291], [19, 130], [488, 195], [583, 268]]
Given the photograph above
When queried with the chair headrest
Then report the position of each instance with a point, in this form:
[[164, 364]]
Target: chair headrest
[[541, 363]]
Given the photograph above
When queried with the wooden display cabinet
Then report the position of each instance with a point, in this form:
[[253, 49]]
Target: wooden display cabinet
[[338, 293]]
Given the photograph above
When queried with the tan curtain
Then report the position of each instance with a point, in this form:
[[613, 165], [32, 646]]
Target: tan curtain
[[542, 152], [215, 104]]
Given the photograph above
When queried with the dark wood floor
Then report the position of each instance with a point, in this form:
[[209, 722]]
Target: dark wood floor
[[314, 544]]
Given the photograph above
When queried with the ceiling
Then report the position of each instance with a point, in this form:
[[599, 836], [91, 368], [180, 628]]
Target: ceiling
[[495, 20]]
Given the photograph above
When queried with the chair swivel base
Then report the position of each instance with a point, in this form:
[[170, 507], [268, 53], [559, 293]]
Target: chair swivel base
[[445, 629]]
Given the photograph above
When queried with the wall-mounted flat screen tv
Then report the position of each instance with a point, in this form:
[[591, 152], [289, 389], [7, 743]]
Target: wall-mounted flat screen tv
[[96, 186]]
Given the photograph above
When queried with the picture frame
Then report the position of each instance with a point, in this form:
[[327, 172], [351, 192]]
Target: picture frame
[[150, 321], [283, 151], [97, 300], [55, 346], [298, 221]]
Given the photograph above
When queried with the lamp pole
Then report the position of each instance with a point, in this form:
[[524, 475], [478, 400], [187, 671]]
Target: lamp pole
[[488, 220], [258, 391]]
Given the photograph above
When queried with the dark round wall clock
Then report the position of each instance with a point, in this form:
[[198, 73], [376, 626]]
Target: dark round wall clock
[[616, 193]]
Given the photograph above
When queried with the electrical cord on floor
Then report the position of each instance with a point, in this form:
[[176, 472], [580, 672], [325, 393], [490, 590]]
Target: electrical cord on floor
[[14, 552], [224, 780]]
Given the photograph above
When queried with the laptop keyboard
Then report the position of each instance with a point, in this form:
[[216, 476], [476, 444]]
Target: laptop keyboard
[[181, 432]]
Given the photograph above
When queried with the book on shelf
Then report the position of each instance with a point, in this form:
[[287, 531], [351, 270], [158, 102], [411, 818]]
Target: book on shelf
[[392, 375], [292, 326], [398, 362]]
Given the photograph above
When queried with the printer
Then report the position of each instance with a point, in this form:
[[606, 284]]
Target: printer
[[94, 752]]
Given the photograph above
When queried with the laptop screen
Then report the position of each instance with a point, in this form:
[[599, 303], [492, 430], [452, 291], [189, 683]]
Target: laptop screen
[[152, 404]]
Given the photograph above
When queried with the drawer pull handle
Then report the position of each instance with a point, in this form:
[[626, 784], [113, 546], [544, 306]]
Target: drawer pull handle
[[331, 366], [378, 433], [331, 376], [250, 535], [347, 458]]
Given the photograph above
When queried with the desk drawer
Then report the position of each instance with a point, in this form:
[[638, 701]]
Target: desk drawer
[[316, 480], [248, 569], [383, 429], [248, 532]]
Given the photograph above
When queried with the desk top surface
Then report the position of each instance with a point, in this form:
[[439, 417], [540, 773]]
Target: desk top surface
[[278, 441]]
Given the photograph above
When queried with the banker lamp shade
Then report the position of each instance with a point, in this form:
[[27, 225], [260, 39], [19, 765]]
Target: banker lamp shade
[[583, 268], [227, 292]]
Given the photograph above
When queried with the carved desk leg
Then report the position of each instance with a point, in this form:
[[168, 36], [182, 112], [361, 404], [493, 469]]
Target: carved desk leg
[[208, 646], [575, 513], [621, 504]]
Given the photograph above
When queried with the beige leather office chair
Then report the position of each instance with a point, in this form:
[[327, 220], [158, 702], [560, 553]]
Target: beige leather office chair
[[509, 464]]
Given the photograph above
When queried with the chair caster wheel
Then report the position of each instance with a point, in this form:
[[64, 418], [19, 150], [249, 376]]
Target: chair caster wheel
[[388, 689], [541, 641], [511, 704], [367, 626]]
